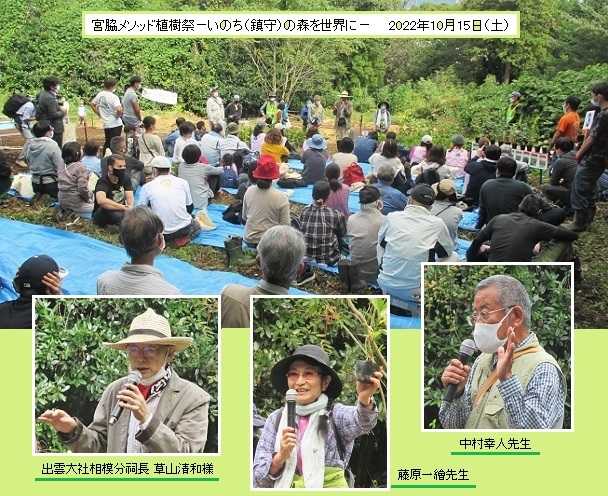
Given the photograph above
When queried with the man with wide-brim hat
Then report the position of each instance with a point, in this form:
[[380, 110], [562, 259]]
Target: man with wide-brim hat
[[382, 118], [343, 110], [317, 452], [162, 413]]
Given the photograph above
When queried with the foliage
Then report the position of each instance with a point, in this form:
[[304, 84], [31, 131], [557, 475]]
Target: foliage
[[448, 298], [73, 367], [348, 330]]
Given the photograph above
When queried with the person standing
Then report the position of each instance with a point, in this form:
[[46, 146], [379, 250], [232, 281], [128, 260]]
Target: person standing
[[234, 110], [131, 116], [269, 110], [215, 108], [343, 110], [107, 106], [570, 123], [382, 118], [49, 109]]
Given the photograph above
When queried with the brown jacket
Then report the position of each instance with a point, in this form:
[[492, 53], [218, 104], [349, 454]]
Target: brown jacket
[[179, 424]]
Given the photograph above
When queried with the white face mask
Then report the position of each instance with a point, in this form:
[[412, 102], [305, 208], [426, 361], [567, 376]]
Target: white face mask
[[594, 102], [486, 335], [57, 88]]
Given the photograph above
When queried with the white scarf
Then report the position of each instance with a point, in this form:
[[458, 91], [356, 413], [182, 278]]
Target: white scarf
[[312, 447]]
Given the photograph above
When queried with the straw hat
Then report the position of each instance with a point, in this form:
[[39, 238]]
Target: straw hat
[[344, 94], [151, 328]]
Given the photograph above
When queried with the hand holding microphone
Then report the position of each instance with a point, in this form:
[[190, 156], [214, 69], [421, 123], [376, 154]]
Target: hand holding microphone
[[130, 397], [455, 375], [288, 435]]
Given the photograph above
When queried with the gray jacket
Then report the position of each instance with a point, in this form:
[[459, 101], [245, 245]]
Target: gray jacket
[[48, 110], [179, 424], [43, 156]]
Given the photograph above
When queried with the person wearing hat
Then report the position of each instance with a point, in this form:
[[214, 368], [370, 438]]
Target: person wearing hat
[[162, 414], [315, 454], [169, 197], [456, 157], [113, 192], [513, 108], [263, 205], [407, 239], [232, 143], [269, 110], [362, 227], [234, 110], [343, 110], [418, 153], [314, 160], [445, 206], [38, 275], [215, 108], [382, 117]]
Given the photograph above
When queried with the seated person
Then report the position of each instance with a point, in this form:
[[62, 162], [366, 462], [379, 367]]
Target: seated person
[[314, 160], [257, 138], [43, 157], [263, 205], [393, 200], [428, 177], [562, 173], [200, 131], [445, 207], [210, 144], [90, 157], [286, 458], [419, 152], [435, 160], [169, 197], [38, 275], [365, 146], [513, 237], [150, 144], [324, 228], [456, 158], [345, 156], [481, 170], [362, 227], [113, 193], [186, 137], [230, 171], [134, 168], [503, 194], [405, 240], [73, 182], [388, 156], [280, 253], [169, 143], [196, 174], [231, 143], [141, 233], [273, 146], [338, 194]]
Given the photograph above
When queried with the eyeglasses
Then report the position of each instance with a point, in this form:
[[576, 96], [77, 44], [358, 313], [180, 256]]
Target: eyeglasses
[[147, 351], [483, 315], [307, 375]]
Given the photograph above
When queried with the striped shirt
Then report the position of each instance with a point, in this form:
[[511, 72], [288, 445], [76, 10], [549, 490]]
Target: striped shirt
[[539, 406]]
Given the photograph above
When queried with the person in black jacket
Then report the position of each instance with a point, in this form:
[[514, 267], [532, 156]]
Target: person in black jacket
[[562, 173], [48, 108], [503, 194], [481, 170]]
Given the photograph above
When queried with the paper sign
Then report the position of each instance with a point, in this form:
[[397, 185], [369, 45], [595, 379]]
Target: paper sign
[[160, 96], [588, 120]]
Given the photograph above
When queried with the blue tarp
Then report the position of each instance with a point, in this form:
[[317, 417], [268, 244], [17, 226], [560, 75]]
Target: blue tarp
[[298, 165], [469, 220], [222, 231]]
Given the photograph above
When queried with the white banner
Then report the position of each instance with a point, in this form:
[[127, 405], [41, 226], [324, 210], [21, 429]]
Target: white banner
[[160, 96]]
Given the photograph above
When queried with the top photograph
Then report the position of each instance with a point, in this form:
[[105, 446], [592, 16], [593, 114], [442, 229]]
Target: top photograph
[[306, 165]]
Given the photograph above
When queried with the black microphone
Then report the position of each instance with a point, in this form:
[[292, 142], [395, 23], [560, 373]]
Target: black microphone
[[134, 377], [467, 349], [290, 398]]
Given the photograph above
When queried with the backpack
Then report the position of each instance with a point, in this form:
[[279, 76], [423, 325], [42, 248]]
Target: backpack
[[228, 179], [353, 174], [304, 112], [233, 213], [13, 104]]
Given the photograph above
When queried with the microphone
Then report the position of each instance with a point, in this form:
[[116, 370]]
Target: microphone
[[134, 377], [467, 349], [290, 398]]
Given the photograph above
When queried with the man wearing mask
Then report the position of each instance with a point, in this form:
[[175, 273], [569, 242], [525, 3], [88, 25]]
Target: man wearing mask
[[269, 110], [215, 108], [382, 119], [113, 193], [234, 110], [343, 110], [43, 157], [49, 110], [514, 383], [593, 160]]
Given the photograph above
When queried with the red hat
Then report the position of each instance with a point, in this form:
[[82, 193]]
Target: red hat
[[267, 168]]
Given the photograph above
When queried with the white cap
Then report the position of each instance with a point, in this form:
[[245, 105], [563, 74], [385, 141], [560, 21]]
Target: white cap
[[160, 163]]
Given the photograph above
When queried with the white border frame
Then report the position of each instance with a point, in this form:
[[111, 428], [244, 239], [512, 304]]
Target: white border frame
[[422, 312], [108, 297], [388, 389]]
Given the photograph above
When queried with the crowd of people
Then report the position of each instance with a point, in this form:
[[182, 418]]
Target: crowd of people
[[409, 205]]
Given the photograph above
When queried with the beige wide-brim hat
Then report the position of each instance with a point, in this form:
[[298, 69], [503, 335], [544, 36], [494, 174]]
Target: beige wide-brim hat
[[151, 328], [344, 94]]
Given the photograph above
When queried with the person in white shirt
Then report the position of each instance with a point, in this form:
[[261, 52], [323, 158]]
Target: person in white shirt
[[210, 144], [186, 137], [25, 116], [169, 197], [215, 108], [232, 143], [107, 106], [407, 239]]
